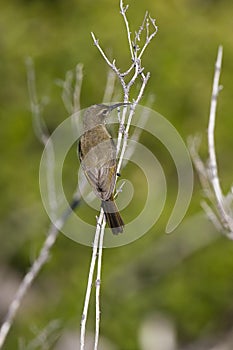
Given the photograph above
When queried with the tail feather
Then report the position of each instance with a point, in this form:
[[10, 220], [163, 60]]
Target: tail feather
[[113, 217]]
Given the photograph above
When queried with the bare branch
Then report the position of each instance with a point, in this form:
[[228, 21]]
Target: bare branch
[[41, 132], [123, 12], [137, 72], [67, 93], [96, 43], [149, 37], [126, 132], [137, 133], [29, 278], [213, 169], [70, 95], [43, 256], [193, 145], [90, 279], [141, 28], [109, 89], [119, 189], [211, 215], [111, 65], [121, 130], [226, 220], [128, 70], [211, 127], [44, 338], [98, 284], [221, 215], [75, 95], [78, 88], [40, 128]]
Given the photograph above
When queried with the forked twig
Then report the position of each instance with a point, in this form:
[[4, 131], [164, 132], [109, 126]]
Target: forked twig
[[124, 126], [43, 256], [220, 212], [71, 99], [90, 278]]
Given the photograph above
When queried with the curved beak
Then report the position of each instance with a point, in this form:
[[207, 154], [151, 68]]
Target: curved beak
[[119, 105]]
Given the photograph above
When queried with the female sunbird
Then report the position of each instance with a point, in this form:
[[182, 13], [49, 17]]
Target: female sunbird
[[97, 154]]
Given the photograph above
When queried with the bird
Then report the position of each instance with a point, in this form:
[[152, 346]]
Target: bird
[[98, 159]]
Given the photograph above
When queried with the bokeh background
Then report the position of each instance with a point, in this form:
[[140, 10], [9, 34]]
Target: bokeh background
[[171, 291]]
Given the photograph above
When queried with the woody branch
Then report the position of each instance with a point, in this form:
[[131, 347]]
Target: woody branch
[[127, 79], [43, 136], [219, 208]]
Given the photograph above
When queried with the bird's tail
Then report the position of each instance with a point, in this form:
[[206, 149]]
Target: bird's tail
[[113, 217]]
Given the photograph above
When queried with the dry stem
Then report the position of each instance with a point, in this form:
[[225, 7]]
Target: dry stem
[[220, 211]]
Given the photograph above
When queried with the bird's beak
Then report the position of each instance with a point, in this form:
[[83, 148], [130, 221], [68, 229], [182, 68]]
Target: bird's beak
[[119, 105]]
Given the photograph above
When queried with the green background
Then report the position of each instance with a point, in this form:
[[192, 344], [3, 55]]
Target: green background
[[186, 276]]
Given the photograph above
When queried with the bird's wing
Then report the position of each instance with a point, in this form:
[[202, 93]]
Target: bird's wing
[[102, 179], [99, 166]]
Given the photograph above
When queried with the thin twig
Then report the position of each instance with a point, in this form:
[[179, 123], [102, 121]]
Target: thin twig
[[111, 65], [226, 220], [44, 338], [137, 132], [194, 145], [42, 133], [98, 284], [39, 125], [43, 256], [213, 169], [90, 280], [211, 215], [211, 127], [70, 95], [221, 212], [123, 12], [78, 88], [34, 270], [110, 84], [121, 148], [150, 37], [121, 130], [75, 98], [67, 95], [126, 132], [119, 189], [30, 277], [141, 28]]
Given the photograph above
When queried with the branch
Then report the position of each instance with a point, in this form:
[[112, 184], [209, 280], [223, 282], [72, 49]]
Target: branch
[[78, 88], [90, 279], [221, 214], [31, 275], [126, 132], [123, 13], [213, 169], [149, 37], [194, 145], [43, 256], [124, 126], [44, 339], [39, 125], [98, 284], [110, 84], [137, 132], [211, 215]]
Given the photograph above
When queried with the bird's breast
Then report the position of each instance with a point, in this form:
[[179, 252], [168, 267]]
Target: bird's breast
[[97, 147]]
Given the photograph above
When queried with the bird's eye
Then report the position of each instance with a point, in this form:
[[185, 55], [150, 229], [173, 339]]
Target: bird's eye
[[105, 112]]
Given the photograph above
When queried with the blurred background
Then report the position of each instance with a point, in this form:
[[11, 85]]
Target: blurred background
[[163, 291]]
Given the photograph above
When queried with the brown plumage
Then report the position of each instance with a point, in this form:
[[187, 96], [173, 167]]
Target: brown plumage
[[97, 153]]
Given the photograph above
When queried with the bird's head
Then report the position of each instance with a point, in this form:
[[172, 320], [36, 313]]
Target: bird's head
[[98, 113]]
